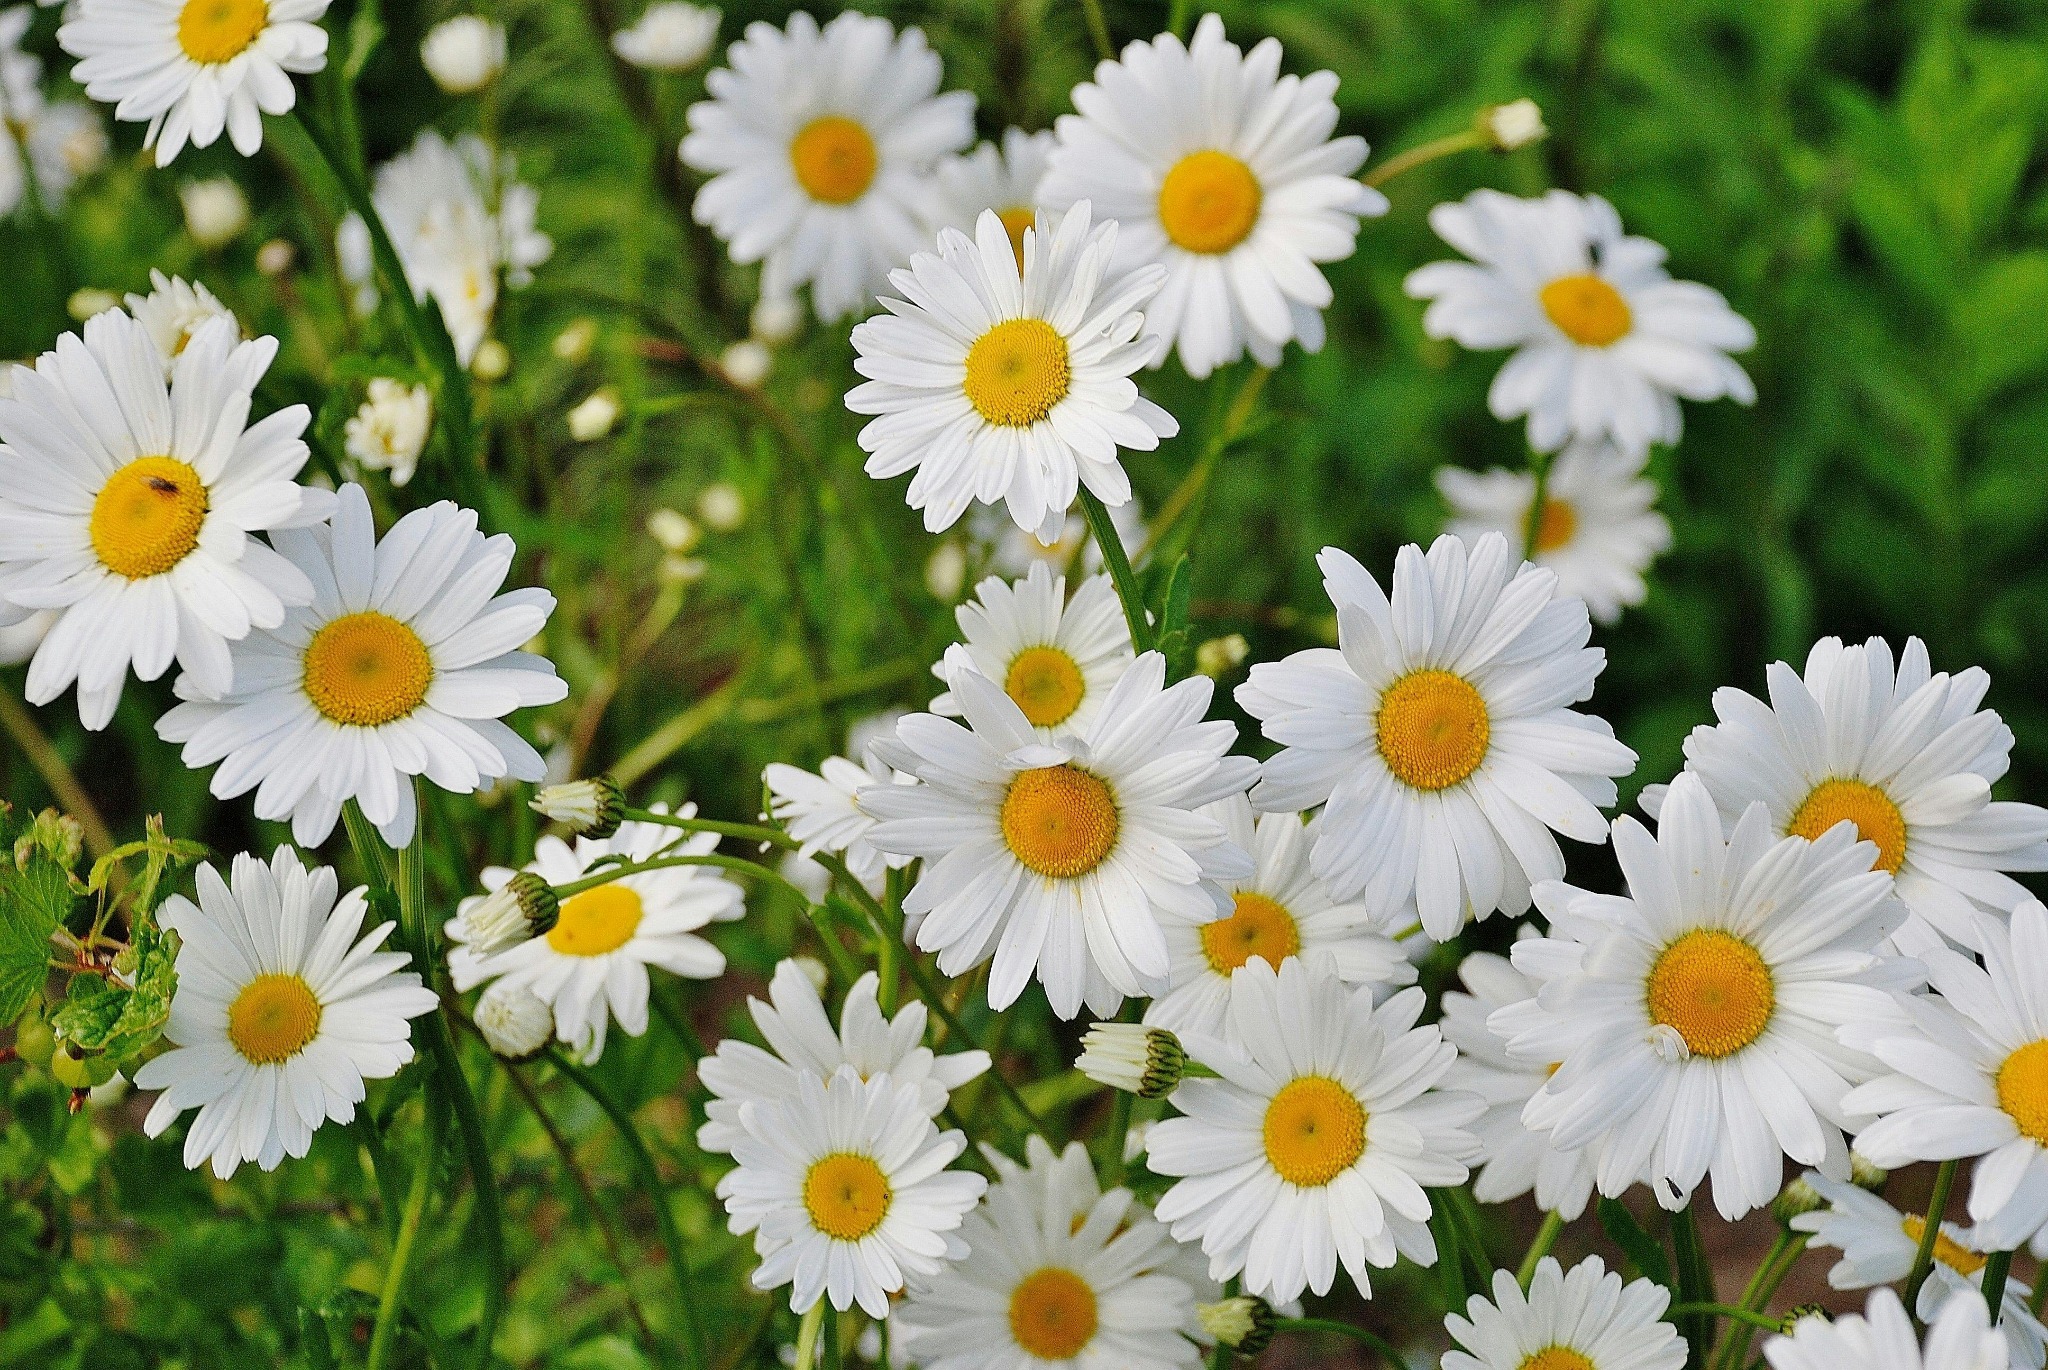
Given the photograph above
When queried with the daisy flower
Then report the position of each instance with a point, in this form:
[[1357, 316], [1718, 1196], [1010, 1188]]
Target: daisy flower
[[1515, 1158], [1061, 858], [801, 1038], [1903, 753], [1225, 171], [401, 666], [1581, 1319], [192, 68], [997, 383], [56, 143], [1056, 659], [281, 1013], [1440, 734], [1316, 1144], [846, 1189], [818, 810], [1694, 1018], [1004, 179], [1599, 529], [1961, 1339], [819, 144], [1606, 343], [1278, 912], [670, 36], [173, 311], [1058, 1273], [128, 503], [591, 966]]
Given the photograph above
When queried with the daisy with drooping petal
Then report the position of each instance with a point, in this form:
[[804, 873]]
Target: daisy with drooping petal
[[801, 1038], [1003, 179], [1962, 1338], [1059, 859], [591, 966], [1585, 1318], [819, 810], [192, 68], [1057, 1273], [281, 1012], [1225, 171], [173, 311], [1002, 384], [1693, 1020], [1278, 912], [1440, 733], [1599, 529], [129, 504], [846, 1190], [402, 666], [1606, 343], [1315, 1145], [819, 144], [1056, 659], [1903, 753]]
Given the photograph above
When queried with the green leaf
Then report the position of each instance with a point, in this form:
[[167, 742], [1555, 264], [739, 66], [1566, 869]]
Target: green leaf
[[124, 1013], [1643, 1250], [1175, 641], [35, 897]]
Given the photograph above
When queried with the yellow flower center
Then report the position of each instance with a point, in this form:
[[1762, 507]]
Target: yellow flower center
[[214, 31], [273, 1018], [847, 1196], [1047, 685], [1587, 310], [1877, 819], [1257, 926], [1315, 1131], [1715, 989], [1059, 820], [146, 518], [2023, 1089], [1432, 729], [1017, 372], [1947, 1249], [1016, 219], [1052, 1314], [596, 921], [1555, 527], [1209, 202], [834, 158], [365, 670], [1558, 1358]]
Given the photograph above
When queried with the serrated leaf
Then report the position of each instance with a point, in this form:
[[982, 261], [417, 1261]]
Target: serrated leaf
[[120, 1016], [34, 900]]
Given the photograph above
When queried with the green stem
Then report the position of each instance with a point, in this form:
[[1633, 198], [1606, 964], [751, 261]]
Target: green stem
[[1467, 141], [1710, 1311], [1695, 1282], [750, 831], [807, 1336], [386, 1327], [1196, 482], [1777, 1264], [49, 763], [1532, 527], [1996, 1271], [1930, 1229], [1546, 1237], [833, 1352], [2038, 1295], [1120, 573], [1372, 1340], [1177, 17], [369, 845], [728, 863], [477, 1159], [1098, 30]]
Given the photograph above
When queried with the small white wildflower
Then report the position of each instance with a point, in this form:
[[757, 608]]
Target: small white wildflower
[[746, 363], [464, 54], [945, 571], [390, 429], [216, 211], [493, 360], [595, 417], [1513, 125], [1219, 655], [672, 530], [777, 318], [275, 257], [573, 343], [722, 506], [671, 36]]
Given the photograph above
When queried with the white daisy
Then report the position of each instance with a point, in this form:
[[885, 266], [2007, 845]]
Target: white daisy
[[846, 1189], [670, 36], [801, 1038], [591, 966], [1599, 529], [1058, 1273], [1060, 858], [818, 810], [1012, 551], [1056, 659], [819, 144], [280, 1014], [1004, 179], [1581, 1319], [128, 503], [1878, 1244], [1278, 912], [401, 666], [1516, 1158], [1316, 1144], [1694, 1018], [54, 143], [192, 68], [1961, 1339], [1440, 734], [1606, 343], [173, 311], [1225, 171], [1904, 754], [996, 386]]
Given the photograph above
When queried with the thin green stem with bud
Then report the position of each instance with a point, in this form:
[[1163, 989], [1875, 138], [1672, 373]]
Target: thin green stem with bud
[[1546, 1237], [1467, 140], [1372, 1340]]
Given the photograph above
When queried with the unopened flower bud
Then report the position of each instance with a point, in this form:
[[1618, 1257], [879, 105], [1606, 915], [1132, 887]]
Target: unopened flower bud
[[90, 301], [1795, 1198], [518, 911], [275, 257], [1244, 1324], [493, 359], [216, 211], [746, 363], [1863, 1174], [945, 571], [591, 808], [1147, 1062], [776, 318], [1513, 125], [573, 343], [594, 418], [1801, 1314], [515, 1023], [1221, 654], [672, 531], [464, 54], [722, 506]]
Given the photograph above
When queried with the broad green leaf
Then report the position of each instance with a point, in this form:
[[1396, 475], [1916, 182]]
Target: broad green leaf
[[124, 1013]]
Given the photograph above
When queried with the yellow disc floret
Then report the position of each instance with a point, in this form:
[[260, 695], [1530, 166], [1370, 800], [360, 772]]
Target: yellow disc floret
[[1016, 219], [146, 518], [847, 1195], [1432, 729], [273, 1018], [834, 159], [1018, 372], [1947, 1249], [1053, 1314], [1257, 926], [1555, 527], [2023, 1089], [1059, 820], [1314, 1131], [367, 669], [1046, 684], [596, 921], [215, 31], [1877, 819], [1587, 310], [1555, 1357], [1713, 989], [1209, 202]]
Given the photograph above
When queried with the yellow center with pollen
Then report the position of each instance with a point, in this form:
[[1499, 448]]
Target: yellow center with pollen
[[1059, 820], [1432, 729], [273, 1018], [834, 159], [1017, 372], [1556, 526], [596, 921], [368, 669], [1587, 310], [1257, 926], [1877, 819], [1314, 1132], [1209, 202], [1947, 1249], [215, 31], [1053, 1314], [1557, 1358], [1016, 219], [1046, 684], [1714, 989], [146, 518], [847, 1196], [2023, 1089]]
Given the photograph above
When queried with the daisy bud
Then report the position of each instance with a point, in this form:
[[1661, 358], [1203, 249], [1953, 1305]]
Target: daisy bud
[[1244, 1324], [514, 1021], [671, 36], [1801, 1314], [90, 301], [464, 54], [1221, 654], [945, 571], [1147, 1062], [216, 211], [591, 808], [776, 318], [722, 506], [573, 343], [492, 361], [746, 363], [518, 911], [814, 971], [672, 530], [1795, 1198], [1513, 125], [1863, 1174], [275, 257], [594, 418]]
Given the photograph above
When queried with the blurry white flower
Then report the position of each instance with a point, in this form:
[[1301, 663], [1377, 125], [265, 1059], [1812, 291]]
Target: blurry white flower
[[493, 359], [672, 531], [746, 363], [1513, 125], [722, 506], [945, 571], [389, 430], [216, 211], [776, 318], [1218, 656], [1012, 550], [594, 418], [464, 54], [670, 36], [1003, 179], [275, 257], [574, 342], [174, 310]]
